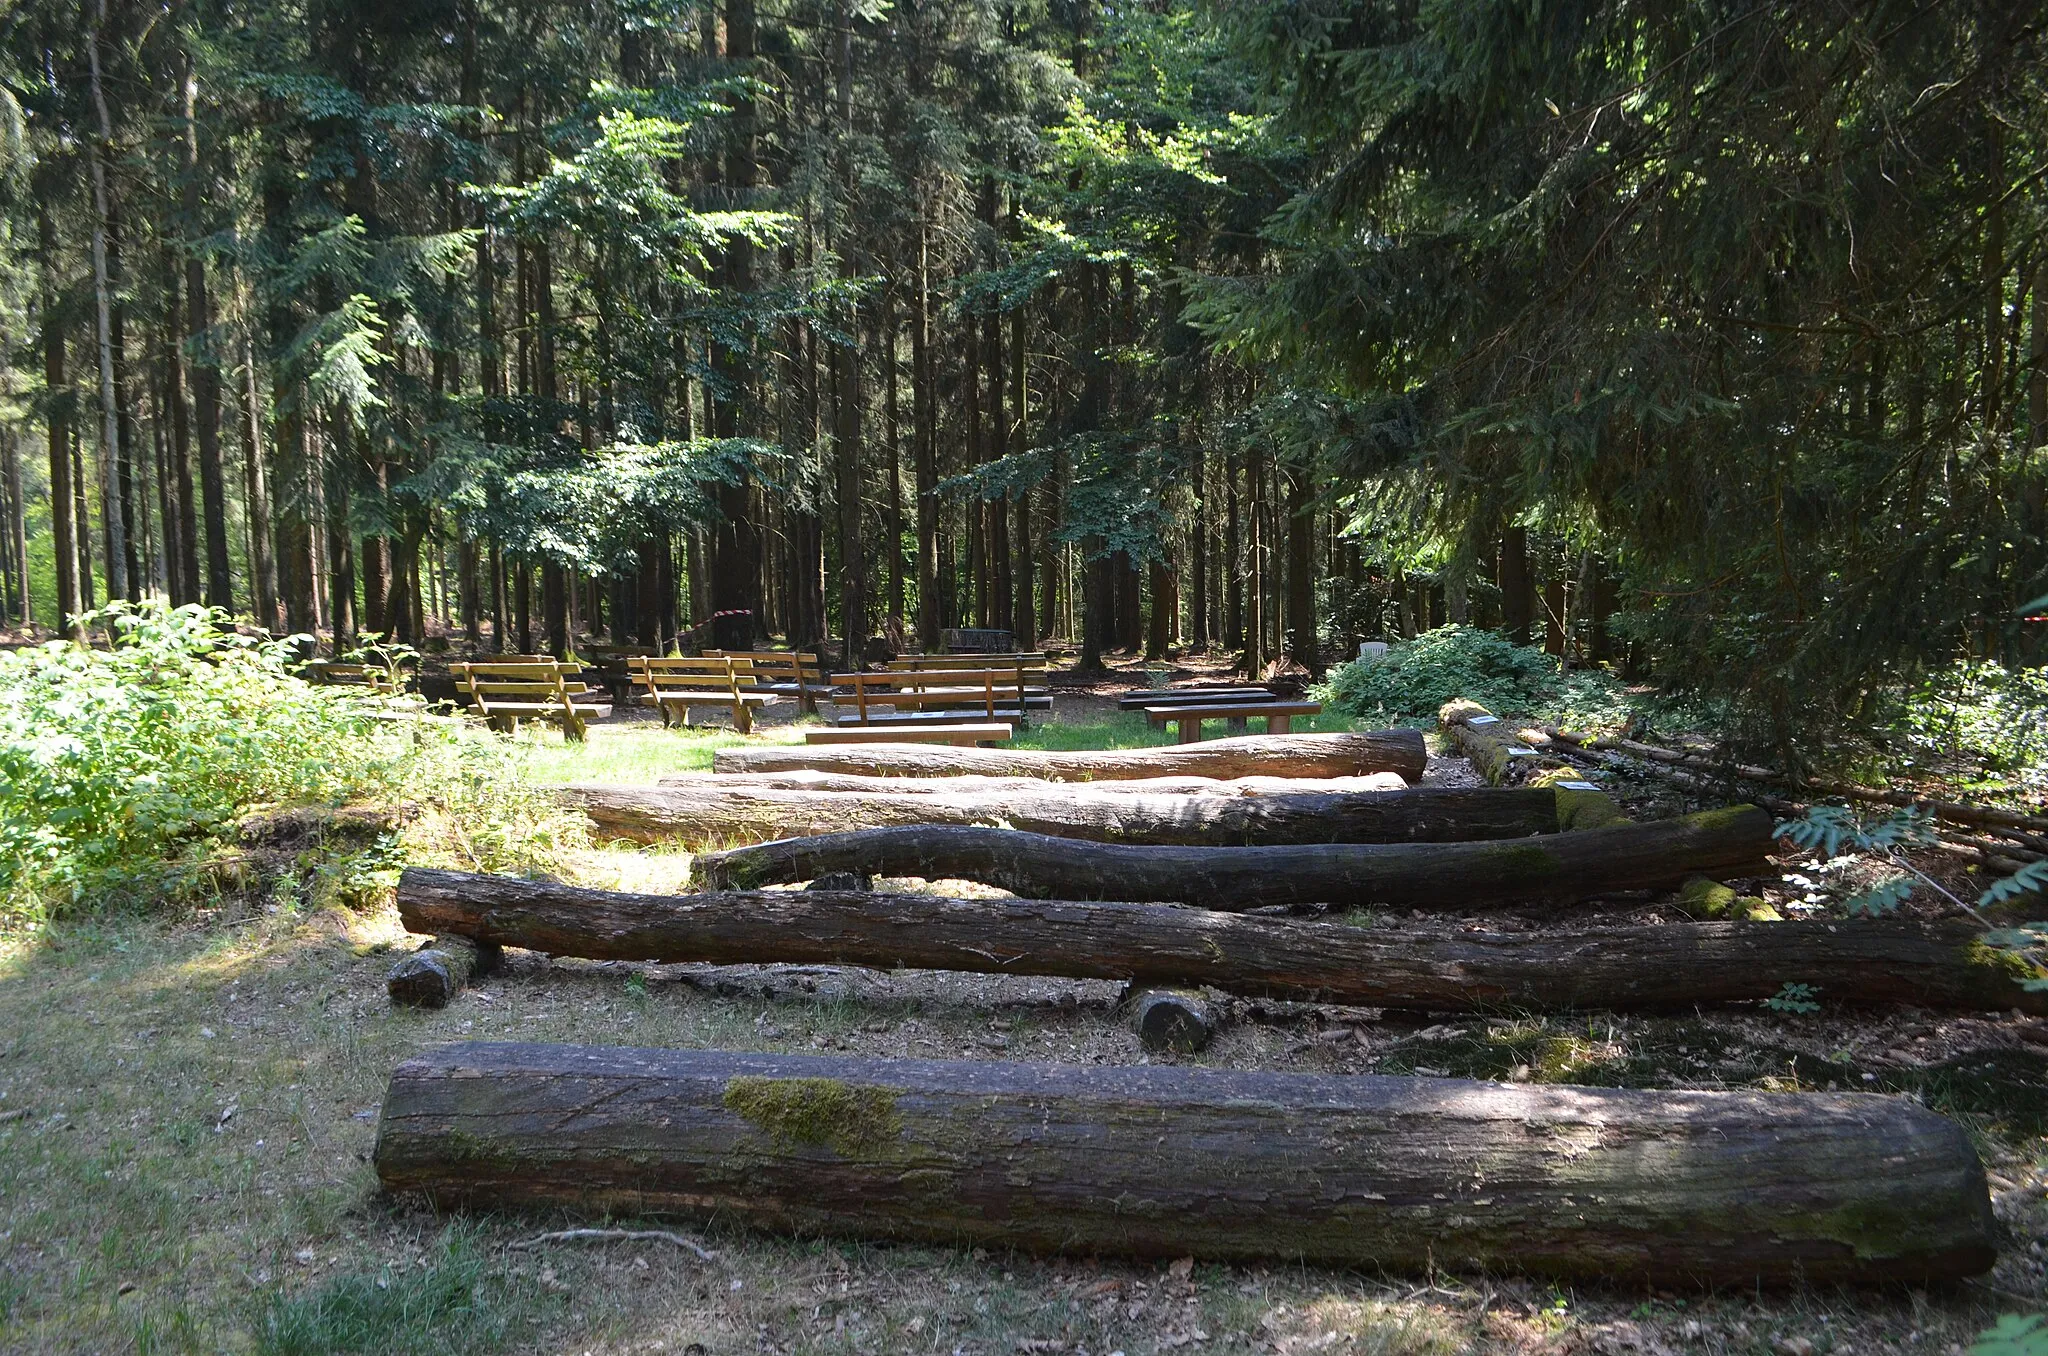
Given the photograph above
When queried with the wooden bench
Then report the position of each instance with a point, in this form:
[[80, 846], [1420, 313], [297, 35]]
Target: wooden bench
[[1195, 696], [508, 691], [1279, 715], [783, 673], [382, 679], [610, 664], [993, 732], [677, 687], [920, 696]]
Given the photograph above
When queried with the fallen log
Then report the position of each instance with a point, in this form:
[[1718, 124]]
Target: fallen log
[[1308, 755], [708, 812], [1674, 967], [808, 779], [1694, 1188], [1662, 854]]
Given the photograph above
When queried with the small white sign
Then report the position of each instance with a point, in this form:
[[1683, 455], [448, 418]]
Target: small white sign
[[1519, 752], [1484, 720], [1577, 786]]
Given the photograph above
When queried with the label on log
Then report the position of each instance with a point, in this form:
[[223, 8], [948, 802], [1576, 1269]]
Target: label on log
[[1410, 1173]]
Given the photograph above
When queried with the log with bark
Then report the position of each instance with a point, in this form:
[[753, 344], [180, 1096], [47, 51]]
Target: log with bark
[[709, 811], [1669, 1188], [1305, 755], [808, 779], [1673, 967], [1659, 855], [431, 976]]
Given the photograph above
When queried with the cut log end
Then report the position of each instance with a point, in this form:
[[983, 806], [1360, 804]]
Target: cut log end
[[431, 976], [1178, 1021]]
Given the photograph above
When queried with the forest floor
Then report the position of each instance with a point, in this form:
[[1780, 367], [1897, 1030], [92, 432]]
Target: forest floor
[[187, 1111]]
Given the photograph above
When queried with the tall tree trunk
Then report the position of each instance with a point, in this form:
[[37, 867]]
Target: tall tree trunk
[[1255, 653], [66, 527], [924, 446], [186, 536], [1515, 584], [206, 384], [81, 512], [893, 519], [17, 528], [1233, 560], [1301, 584], [256, 492], [112, 526], [1198, 552]]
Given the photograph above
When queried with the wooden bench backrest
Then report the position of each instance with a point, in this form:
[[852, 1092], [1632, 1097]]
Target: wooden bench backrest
[[779, 665], [954, 686], [711, 676], [517, 680], [968, 661]]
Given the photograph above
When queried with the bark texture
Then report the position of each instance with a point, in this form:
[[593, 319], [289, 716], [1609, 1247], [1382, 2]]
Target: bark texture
[[1671, 968], [1406, 1173], [806, 779], [1731, 842], [1310, 755], [714, 811]]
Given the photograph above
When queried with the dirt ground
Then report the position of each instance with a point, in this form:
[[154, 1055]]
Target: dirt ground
[[187, 1112]]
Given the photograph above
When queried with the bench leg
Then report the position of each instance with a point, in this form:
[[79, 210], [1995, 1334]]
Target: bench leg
[[504, 724], [1278, 724], [743, 718], [572, 730], [1190, 729], [1235, 725]]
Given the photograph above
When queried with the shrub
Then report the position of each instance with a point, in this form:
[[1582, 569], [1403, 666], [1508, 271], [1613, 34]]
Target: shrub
[[1417, 676], [122, 768]]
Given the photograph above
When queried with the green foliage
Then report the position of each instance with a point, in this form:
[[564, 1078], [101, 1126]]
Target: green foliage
[[1983, 712], [1794, 1000], [457, 1304], [1418, 676], [2014, 1335], [1833, 830], [123, 769], [1881, 898]]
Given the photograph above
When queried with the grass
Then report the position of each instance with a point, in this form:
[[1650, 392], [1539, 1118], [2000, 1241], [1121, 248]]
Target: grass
[[630, 751]]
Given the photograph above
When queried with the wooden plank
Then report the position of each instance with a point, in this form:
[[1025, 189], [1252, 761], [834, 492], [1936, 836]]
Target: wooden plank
[[1308, 755], [980, 733]]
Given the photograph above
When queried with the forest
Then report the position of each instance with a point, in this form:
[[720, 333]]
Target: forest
[[1704, 341], [1024, 677]]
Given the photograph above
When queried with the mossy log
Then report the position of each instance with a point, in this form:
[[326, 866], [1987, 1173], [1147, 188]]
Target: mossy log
[[431, 976], [1305, 755], [1666, 1188], [1502, 751], [1674, 967], [1659, 855], [705, 811]]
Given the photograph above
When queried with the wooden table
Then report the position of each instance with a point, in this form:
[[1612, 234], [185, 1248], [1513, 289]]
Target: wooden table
[[964, 735], [1279, 715]]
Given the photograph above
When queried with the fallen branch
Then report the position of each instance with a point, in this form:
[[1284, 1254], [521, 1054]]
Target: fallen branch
[[703, 1253]]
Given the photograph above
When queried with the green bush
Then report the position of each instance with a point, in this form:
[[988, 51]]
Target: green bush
[[1418, 676], [124, 767]]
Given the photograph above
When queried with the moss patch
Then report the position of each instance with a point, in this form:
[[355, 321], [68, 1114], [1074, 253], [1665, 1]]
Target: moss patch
[[1703, 898], [1583, 809], [843, 1117]]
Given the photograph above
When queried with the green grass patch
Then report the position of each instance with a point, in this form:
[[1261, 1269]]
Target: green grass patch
[[456, 1303]]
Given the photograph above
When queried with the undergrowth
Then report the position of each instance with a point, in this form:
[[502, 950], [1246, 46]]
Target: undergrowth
[[125, 768], [1416, 677]]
